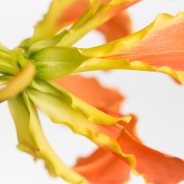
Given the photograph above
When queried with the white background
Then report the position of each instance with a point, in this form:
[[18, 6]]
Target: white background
[[154, 98]]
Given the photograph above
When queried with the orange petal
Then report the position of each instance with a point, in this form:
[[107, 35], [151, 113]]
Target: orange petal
[[120, 24], [90, 91], [103, 167], [157, 167], [106, 99], [77, 8], [117, 27], [160, 45], [131, 126]]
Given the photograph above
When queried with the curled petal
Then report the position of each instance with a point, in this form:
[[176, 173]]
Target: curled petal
[[97, 14], [154, 166], [104, 167], [158, 47], [32, 140], [59, 16], [72, 104], [120, 23], [115, 138], [106, 99], [59, 110], [58, 107]]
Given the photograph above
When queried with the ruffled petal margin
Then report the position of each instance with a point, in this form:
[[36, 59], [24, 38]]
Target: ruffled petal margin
[[158, 47], [106, 167], [60, 16], [90, 91]]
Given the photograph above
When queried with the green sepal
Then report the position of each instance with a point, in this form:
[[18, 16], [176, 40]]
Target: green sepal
[[45, 43], [55, 62]]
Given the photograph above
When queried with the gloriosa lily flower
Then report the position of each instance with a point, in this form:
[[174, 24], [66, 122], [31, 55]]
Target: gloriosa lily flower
[[36, 73]]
